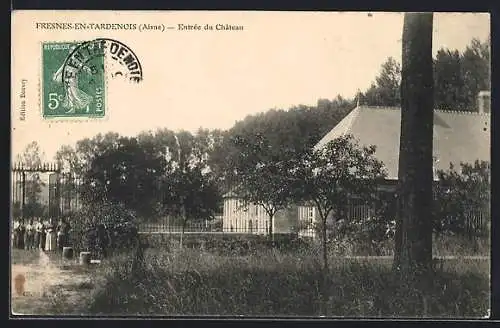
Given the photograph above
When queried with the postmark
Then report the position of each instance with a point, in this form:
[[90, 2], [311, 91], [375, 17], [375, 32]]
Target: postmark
[[74, 76]]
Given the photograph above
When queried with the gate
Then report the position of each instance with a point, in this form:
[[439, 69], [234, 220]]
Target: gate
[[43, 191]]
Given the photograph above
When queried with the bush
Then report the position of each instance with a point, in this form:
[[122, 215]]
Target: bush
[[462, 200], [103, 228]]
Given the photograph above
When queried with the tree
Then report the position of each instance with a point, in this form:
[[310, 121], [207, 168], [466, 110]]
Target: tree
[[264, 177], [413, 240], [191, 195], [332, 176], [32, 158], [189, 188], [449, 86], [459, 196], [475, 64], [127, 173], [294, 131], [386, 89]]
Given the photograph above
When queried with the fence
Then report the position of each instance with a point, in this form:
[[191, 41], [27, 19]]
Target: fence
[[43, 191]]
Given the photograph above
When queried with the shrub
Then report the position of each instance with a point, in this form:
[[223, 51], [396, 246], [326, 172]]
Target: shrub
[[104, 227], [461, 198]]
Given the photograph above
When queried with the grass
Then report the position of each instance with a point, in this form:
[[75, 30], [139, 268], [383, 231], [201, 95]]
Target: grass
[[443, 245], [270, 283], [24, 257]]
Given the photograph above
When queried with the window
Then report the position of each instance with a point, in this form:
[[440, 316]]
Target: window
[[310, 215], [256, 210]]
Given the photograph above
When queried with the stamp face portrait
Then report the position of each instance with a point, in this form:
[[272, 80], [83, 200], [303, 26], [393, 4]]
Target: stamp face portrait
[[74, 82]]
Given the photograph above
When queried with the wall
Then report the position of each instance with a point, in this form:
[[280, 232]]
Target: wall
[[237, 219]]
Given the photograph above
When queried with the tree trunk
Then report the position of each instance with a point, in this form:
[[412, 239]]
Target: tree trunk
[[324, 282], [183, 227], [413, 251], [271, 232], [325, 248]]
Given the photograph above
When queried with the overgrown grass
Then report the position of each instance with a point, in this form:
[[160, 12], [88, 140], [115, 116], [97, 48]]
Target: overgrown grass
[[443, 245], [270, 283]]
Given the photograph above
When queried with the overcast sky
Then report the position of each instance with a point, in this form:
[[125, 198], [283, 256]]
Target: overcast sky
[[212, 79]]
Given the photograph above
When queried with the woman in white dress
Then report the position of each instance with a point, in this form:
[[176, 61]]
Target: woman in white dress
[[50, 236], [75, 98]]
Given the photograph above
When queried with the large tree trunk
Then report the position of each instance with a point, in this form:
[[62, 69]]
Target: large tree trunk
[[413, 251]]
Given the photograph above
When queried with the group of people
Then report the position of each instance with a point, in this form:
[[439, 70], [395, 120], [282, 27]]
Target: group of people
[[36, 233]]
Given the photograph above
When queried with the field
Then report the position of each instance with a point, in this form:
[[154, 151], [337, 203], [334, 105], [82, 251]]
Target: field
[[266, 282]]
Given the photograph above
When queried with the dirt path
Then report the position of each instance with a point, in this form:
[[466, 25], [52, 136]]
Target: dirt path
[[50, 286]]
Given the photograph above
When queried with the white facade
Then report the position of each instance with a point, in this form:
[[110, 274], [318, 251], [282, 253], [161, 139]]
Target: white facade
[[244, 219]]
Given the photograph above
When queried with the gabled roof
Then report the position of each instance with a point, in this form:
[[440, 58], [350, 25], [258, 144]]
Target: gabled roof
[[458, 136]]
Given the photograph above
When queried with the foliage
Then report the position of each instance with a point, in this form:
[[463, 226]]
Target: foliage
[[32, 158], [127, 173], [458, 78], [191, 194], [120, 228], [386, 89], [291, 131], [201, 283], [459, 196], [331, 176], [264, 176], [189, 188], [378, 226]]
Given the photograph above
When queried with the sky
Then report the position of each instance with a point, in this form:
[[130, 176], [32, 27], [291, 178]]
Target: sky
[[212, 79]]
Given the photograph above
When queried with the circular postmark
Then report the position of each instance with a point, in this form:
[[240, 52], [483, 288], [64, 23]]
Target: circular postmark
[[86, 67]]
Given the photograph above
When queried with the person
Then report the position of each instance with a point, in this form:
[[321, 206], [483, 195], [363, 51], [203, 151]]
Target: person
[[36, 234], [59, 234], [15, 235], [50, 236], [102, 240], [20, 244], [29, 235], [75, 98], [62, 234], [39, 235]]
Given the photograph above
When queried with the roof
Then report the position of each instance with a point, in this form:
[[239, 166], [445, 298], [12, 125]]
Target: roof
[[458, 136]]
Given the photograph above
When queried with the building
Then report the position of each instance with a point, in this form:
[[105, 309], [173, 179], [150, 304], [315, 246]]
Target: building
[[458, 137], [253, 219]]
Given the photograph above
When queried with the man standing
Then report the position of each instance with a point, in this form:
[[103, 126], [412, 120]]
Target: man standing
[[62, 234], [39, 235], [28, 235], [15, 237], [36, 234]]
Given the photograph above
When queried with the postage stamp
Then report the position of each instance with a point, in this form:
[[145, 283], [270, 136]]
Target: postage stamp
[[73, 85], [75, 74]]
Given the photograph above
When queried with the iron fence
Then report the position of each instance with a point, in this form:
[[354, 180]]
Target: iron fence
[[43, 191]]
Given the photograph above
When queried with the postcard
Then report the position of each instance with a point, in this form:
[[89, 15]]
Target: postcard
[[250, 164]]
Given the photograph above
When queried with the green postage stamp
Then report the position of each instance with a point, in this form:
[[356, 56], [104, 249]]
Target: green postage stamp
[[73, 80]]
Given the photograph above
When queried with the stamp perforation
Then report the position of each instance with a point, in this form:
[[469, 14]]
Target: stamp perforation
[[71, 119]]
